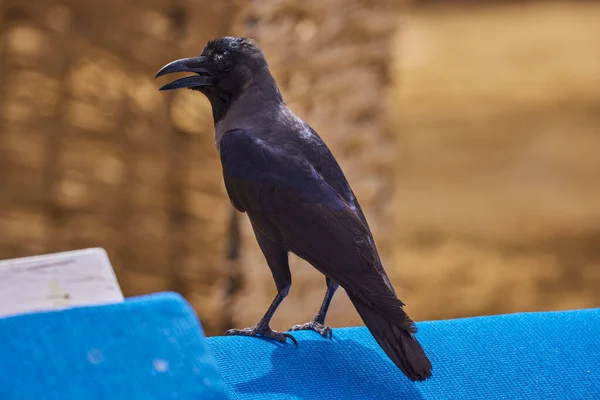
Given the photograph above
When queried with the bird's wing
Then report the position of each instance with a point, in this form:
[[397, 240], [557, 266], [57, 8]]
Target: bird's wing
[[319, 155], [314, 221], [325, 163]]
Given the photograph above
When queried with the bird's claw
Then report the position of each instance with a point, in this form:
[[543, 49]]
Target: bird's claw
[[321, 329], [265, 332]]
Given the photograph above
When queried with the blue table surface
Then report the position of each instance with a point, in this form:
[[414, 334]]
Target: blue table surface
[[147, 348], [550, 355], [152, 347]]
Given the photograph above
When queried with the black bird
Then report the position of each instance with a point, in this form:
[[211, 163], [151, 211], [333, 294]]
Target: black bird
[[281, 174]]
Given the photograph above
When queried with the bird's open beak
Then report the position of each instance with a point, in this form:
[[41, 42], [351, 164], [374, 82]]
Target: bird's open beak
[[197, 65]]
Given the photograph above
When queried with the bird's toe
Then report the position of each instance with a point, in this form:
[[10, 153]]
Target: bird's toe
[[282, 337], [326, 331], [240, 332], [321, 329], [265, 332]]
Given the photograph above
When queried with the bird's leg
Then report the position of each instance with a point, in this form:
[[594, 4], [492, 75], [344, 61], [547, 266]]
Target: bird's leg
[[277, 259], [262, 328], [318, 323]]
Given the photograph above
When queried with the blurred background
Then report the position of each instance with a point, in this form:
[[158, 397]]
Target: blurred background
[[470, 132]]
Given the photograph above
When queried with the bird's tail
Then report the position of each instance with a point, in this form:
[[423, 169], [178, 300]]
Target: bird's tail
[[394, 331]]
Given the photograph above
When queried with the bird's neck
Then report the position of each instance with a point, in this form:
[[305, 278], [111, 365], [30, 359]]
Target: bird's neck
[[220, 102], [260, 92], [256, 102]]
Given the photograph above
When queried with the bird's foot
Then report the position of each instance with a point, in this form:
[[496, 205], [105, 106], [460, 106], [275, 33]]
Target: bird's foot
[[321, 329], [265, 332]]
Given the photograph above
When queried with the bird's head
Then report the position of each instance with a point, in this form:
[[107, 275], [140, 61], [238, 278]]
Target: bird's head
[[224, 69]]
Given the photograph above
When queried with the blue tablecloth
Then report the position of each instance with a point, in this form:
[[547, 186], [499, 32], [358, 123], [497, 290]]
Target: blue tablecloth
[[152, 348], [552, 355], [144, 349]]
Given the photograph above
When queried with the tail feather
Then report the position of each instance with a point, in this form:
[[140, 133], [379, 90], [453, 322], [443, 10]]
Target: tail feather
[[394, 334]]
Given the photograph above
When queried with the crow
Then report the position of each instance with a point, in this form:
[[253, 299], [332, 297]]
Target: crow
[[278, 171]]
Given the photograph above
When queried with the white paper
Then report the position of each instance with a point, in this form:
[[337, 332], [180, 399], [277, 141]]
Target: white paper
[[56, 281]]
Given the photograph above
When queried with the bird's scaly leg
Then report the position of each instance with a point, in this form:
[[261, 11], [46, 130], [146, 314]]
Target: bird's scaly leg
[[276, 256], [318, 323], [262, 328]]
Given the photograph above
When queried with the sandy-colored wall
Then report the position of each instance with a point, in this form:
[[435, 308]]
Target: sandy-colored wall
[[469, 132], [498, 201], [92, 155]]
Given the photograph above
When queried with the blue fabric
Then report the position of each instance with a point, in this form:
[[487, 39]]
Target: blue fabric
[[153, 348], [144, 349], [552, 355]]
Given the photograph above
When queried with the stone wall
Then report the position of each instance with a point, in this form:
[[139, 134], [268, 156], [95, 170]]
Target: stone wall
[[92, 155], [481, 189]]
